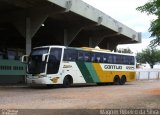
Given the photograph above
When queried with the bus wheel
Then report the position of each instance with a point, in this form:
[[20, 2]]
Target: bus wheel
[[123, 80], [116, 80], [68, 81]]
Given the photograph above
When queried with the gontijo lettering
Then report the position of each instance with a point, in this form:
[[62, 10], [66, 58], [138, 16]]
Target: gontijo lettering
[[112, 67]]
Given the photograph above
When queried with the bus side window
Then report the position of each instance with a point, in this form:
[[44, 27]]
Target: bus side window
[[87, 56], [96, 58], [131, 60], [118, 59], [114, 60], [99, 58], [110, 58], [105, 58], [66, 56], [127, 60], [74, 55], [93, 58], [124, 59], [70, 55], [80, 56]]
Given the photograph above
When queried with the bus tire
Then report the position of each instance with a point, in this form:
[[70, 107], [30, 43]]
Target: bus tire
[[123, 80], [116, 80], [68, 81]]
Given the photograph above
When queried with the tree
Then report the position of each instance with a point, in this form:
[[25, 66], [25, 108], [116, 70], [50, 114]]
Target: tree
[[150, 55], [153, 8]]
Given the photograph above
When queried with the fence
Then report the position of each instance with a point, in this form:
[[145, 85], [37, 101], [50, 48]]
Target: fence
[[148, 74]]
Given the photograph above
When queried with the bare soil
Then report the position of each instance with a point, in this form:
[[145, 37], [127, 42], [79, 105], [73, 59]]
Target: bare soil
[[133, 95]]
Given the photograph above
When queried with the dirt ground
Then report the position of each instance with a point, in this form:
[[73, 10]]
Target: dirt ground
[[133, 95]]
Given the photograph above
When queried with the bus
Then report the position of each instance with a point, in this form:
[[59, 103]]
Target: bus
[[50, 65]]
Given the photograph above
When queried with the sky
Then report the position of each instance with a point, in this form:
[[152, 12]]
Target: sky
[[125, 12]]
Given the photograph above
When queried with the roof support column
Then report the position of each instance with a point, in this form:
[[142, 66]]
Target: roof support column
[[28, 36], [29, 24], [70, 34], [110, 36], [96, 38]]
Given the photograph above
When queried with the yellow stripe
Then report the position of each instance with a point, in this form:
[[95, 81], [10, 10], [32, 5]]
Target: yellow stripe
[[108, 76], [101, 74]]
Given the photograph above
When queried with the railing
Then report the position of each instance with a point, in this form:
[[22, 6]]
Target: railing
[[148, 74]]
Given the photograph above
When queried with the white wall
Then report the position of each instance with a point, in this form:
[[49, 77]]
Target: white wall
[[148, 73]]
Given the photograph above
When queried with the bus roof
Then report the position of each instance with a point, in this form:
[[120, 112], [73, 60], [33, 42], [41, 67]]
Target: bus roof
[[86, 49]]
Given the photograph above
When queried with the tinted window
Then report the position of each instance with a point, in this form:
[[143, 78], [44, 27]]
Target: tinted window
[[70, 55], [93, 57], [87, 56], [114, 59], [80, 56], [132, 62], [110, 58], [124, 59], [97, 57], [105, 58], [54, 60], [35, 63], [118, 59], [129, 60]]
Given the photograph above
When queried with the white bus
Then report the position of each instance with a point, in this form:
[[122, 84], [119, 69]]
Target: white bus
[[49, 65]]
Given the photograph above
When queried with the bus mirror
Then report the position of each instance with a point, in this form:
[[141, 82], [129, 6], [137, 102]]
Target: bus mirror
[[44, 57], [24, 59]]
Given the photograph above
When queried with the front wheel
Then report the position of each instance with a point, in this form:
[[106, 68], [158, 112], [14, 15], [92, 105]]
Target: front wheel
[[68, 81]]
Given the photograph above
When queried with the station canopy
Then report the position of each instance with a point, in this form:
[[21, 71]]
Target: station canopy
[[29, 23]]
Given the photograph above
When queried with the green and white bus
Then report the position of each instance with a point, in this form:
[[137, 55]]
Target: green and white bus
[[49, 65]]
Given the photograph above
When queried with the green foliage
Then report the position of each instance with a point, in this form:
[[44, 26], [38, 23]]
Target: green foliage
[[153, 8], [150, 55]]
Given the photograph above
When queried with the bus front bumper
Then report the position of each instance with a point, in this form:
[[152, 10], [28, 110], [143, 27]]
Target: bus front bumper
[[39, 81]]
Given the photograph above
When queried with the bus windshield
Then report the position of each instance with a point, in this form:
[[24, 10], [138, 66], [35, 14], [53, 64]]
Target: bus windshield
[[35, 63]]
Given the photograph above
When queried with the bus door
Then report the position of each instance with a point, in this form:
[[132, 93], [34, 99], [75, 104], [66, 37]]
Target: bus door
[[54, 60]]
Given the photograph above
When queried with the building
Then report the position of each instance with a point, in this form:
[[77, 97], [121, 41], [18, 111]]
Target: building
[[29, 23]]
